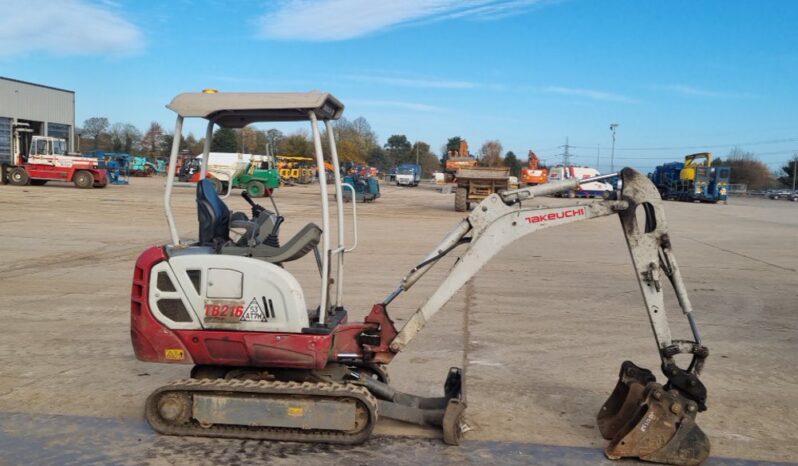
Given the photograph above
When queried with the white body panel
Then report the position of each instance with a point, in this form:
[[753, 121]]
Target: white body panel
[[406, 180], [251, 295], [227, 165], [560, 172]]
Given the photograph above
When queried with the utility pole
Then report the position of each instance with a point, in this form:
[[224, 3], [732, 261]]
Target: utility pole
[[794, 169], [566, 156], [612, 156], [416, 152]]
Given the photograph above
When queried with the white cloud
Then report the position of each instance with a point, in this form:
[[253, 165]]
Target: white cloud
[[694, 91], [413, 82], [323, 20], [65, 27], [417, 107], [589, 94]]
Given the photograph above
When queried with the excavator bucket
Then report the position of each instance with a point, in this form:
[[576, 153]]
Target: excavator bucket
[[662, 430], [625, 400]]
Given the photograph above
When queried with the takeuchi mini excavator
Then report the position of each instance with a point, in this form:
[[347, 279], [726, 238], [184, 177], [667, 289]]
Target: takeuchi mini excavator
[[268, 366]]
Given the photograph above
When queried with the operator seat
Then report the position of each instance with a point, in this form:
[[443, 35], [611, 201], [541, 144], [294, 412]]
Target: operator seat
[[213, 216], [215, 221]]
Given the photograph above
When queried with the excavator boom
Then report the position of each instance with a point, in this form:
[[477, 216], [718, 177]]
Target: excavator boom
[[642, 418]]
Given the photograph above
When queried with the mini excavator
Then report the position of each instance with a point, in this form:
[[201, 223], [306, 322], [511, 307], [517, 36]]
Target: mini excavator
[[267, 366]]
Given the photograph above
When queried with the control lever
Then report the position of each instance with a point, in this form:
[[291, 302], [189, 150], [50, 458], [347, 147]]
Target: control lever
[[256, 208]]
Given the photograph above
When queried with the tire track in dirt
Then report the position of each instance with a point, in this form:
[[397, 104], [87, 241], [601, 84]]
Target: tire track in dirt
[[108, 254], [771, 264]]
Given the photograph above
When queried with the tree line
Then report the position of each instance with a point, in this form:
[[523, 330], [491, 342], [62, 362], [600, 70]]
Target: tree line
[[747, 169], [358, 143]]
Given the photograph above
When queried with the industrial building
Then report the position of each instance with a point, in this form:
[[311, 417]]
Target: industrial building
[[49, 111]]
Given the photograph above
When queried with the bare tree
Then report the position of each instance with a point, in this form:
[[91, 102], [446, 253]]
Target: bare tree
[[491, 153], [94, 127], [125, 137], [747, 169], [153, 139]]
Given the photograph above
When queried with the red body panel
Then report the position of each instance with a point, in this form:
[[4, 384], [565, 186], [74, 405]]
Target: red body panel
[[151, 340], [257, 349], [49, 172]]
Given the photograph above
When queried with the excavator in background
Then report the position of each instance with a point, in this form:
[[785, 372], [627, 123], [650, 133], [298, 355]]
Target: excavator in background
[[457, 159], [534, 174], [268, 366]]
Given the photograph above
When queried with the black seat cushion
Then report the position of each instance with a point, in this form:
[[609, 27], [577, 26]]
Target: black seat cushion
[[212, 214]]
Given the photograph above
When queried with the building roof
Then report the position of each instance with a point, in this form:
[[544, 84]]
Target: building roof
[[238, 109], [37, 85]]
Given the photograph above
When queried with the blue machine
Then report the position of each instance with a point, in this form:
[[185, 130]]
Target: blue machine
[[691, 182], [367, 188], [115, 164]]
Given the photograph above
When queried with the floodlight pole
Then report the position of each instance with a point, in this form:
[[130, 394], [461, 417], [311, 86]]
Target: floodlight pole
[[612, 155], [794, 169]]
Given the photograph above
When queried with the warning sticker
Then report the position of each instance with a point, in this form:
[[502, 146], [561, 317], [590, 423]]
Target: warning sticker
[[174, 354], [254, 313]]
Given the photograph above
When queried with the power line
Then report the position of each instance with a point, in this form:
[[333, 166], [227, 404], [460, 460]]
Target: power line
[[703, 146], [657, 157]]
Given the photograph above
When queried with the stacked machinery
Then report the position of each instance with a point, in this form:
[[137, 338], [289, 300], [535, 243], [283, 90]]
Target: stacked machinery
[[694, 180], [460, 158]]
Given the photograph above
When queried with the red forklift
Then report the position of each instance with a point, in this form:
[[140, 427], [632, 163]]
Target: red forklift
[[39, 159]]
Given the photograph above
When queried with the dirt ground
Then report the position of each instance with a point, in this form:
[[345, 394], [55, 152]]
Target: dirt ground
[[541, 330]]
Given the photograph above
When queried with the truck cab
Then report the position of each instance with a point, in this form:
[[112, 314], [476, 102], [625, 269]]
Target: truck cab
[[408, 174]]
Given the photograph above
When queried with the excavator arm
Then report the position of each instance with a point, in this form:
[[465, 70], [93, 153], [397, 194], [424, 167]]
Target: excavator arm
[[641, 418]]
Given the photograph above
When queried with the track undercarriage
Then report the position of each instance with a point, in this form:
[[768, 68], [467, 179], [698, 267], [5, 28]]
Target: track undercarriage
[[338, 405]]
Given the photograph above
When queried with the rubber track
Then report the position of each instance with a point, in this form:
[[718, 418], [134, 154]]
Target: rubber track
[[262, 387]]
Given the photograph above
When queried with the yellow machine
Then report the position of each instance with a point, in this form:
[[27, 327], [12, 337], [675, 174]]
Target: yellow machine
[[696, 164], [296, 169]]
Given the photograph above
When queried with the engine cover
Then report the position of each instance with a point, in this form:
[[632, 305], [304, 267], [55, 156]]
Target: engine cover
[[195, 289]]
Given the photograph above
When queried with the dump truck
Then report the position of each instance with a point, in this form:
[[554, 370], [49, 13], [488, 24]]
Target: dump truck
[[476, 183]]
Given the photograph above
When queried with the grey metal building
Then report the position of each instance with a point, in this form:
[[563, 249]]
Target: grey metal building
[[48, 110]]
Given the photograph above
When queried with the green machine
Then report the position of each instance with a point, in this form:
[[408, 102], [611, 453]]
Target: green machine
[[259, 178]]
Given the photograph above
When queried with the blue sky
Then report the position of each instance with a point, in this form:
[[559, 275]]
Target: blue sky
[[677, 76]]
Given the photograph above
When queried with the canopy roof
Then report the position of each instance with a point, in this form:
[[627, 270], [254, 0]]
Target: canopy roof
[[238, 109]]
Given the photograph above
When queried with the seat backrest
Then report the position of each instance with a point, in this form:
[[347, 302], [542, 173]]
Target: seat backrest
[[212, 214]]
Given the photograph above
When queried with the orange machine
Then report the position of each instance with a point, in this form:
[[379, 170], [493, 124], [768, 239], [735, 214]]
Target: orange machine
[[460, 158], [534, 175]]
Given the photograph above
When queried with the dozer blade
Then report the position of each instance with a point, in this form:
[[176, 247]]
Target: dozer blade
[[662, 430], [625, 400]]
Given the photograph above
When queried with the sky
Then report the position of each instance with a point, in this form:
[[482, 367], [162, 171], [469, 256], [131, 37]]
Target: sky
[[677, 77]]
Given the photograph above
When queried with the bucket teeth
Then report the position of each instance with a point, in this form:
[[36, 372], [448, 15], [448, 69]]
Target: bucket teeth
[[625, 399], [662, 430]]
